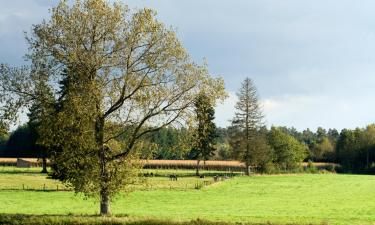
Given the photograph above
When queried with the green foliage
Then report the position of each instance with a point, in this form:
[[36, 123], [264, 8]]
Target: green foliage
[[168, 143], [288, 152], [223, 151], [311, 168], [3, 132], [356, 148], [321, 143], [323, 150], [204, 136], [4, 136]]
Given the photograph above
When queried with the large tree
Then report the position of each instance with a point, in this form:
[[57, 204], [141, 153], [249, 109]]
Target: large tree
[[205, 135], [247, 123], [116, 76]]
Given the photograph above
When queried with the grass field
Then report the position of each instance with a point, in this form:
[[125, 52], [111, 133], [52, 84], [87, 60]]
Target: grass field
[[302, 198]]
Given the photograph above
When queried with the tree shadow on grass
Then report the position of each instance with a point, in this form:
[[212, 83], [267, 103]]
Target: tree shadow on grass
[[122, 219]]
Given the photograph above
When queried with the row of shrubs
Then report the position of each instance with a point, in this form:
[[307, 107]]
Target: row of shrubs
[[309, 167]]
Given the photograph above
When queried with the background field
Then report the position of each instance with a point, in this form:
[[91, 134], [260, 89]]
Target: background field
[[303, 198]]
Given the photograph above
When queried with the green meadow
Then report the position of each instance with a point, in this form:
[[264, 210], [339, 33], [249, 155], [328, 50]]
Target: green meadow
[[275, 199]]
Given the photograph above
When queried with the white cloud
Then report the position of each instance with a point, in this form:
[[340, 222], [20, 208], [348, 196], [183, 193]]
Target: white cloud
[[312, 61], [303, 111], [224, 112]]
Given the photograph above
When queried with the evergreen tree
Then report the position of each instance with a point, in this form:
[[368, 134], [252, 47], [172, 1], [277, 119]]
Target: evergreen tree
[[20, 143], [205, 134], [40, 109], [246, 124]]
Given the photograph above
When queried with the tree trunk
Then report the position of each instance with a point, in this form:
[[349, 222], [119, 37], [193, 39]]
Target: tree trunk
[[44, 164], [104, 173], [247, 159], [104, 203], [197, 169], [247, 169]]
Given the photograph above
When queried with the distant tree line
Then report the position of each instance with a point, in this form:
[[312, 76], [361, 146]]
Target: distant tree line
[[353, 149], [247, 139]]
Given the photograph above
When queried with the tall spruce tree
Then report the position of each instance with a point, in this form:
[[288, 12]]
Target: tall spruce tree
[[41, 108], [246, 123], [205, 134]]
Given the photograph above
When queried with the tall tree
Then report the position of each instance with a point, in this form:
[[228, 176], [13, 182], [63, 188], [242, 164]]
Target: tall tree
[[124, 74], [37, 112], [205, 133], [323, 150], [367, 139], [247, 121]]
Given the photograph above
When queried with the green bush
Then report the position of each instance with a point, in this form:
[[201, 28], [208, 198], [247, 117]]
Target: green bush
[[311, 168]]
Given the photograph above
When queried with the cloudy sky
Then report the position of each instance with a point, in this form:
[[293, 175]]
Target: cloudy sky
[[313, 61]]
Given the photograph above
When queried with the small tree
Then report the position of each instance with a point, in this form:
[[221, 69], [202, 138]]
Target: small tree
[[246, 124], [205, 133], [122, 75], [288, 151]]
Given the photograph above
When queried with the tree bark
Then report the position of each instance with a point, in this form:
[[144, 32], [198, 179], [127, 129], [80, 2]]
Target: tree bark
[[44, 164], [247, 169], [104, 173], [104, 203], [197, 169]]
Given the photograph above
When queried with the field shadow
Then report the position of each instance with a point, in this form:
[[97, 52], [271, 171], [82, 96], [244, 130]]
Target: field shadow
[[20, 172], [95, 219]]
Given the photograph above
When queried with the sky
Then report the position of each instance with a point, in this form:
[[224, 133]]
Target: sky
[[312, 61]]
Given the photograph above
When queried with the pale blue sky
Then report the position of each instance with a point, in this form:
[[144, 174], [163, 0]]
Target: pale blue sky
[[313, 61]]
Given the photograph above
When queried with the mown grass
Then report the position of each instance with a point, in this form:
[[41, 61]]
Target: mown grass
[[13, 178], [298, 199]]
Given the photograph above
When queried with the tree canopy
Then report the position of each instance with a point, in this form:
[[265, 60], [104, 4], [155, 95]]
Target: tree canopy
[[112, 72], [288, 152]]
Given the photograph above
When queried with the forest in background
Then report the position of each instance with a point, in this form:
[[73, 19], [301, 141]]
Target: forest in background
[[354, 149]]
